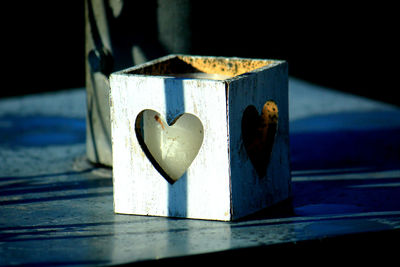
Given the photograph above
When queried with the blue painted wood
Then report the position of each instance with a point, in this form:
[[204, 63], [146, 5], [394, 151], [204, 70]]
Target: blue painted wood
[[56, 209]]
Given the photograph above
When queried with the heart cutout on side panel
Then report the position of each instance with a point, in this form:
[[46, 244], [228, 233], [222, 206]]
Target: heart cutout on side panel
[[258, 133], [170, 148]]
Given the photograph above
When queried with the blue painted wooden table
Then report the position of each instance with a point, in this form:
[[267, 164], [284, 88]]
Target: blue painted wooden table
[[57, 209]]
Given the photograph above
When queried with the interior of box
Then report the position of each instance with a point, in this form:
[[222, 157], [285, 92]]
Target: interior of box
[[201, 67]]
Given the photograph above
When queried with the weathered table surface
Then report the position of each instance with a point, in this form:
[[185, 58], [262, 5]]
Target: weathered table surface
[[57, 209]]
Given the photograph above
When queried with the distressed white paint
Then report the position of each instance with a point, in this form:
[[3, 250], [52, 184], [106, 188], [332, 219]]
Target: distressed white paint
[[211, 187], [251, 193]]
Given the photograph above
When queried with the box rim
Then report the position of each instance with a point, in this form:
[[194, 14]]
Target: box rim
[[125, 72]]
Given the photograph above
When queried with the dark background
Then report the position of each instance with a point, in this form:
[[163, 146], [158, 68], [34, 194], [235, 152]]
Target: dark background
[[351, 48]]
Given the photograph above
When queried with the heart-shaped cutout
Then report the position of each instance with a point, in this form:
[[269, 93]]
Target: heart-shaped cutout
[[170, 148], [258, 132]]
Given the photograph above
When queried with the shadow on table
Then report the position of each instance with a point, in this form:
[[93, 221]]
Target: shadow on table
[[51, 187], [39, 131], [368, 140], [343, 163], [346, 163]]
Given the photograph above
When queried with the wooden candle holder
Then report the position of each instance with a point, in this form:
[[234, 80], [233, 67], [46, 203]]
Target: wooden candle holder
[[200, 137]]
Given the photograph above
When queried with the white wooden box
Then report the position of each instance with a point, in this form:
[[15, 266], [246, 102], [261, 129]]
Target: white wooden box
[[200, 137]]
